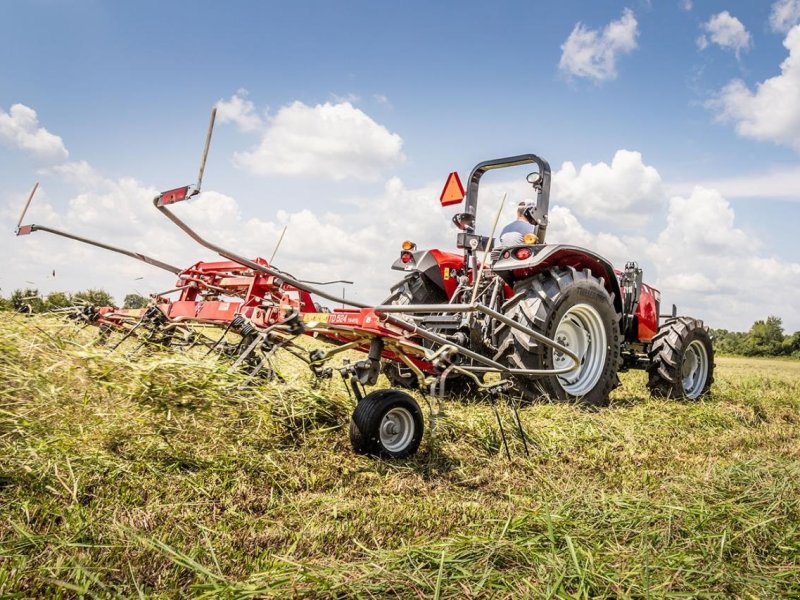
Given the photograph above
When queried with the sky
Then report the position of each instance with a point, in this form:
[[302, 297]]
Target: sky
[[672, 128]]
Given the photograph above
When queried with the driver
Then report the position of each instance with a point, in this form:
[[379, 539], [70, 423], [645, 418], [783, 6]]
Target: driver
[[513, 233]]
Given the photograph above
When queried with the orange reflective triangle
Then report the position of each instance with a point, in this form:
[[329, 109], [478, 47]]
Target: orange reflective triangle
[[453, 192]]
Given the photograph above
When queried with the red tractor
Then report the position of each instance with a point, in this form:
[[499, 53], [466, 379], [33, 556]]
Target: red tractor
[[609, 318], [555, 322]]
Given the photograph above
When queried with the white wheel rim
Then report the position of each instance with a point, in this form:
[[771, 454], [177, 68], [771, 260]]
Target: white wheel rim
[[397, 429], [694, 369], [581, 330]]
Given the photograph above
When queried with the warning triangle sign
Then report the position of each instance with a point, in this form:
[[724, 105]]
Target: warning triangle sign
[[453, 192]]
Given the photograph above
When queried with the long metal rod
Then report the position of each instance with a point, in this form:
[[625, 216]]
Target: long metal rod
[[465, 308], [205, 149], [138, 256], [27, 204], [249, 263], [278, 245]]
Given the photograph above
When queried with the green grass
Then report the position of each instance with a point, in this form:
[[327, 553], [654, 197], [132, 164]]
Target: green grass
[[159, 478]]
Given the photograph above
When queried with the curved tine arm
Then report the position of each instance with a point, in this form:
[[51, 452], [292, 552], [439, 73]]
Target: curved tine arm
[[249, 263], [142, 257], [27, 204]]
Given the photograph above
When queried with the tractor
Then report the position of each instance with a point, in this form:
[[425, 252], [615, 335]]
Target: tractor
[[610, 318]]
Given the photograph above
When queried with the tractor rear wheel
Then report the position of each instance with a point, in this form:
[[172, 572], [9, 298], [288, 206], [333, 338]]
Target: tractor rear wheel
[[386, 423], [575, 309], [681, 360]]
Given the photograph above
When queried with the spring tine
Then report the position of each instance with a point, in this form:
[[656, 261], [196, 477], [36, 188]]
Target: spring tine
[[519, 426], [126, 336], [246, 353], [222, 337], [502, 431]]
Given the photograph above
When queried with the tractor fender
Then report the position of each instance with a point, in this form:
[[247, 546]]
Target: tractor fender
[[439, 267], [545, 257]]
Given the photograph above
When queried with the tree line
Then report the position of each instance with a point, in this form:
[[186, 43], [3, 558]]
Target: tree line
[[29, 300], [765, 338]]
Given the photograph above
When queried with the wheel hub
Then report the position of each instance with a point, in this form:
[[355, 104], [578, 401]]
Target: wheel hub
[[694, 369], [397, 429], [582, 332]]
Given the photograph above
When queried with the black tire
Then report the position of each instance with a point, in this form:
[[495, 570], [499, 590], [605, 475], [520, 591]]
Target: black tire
[[541, 303], [680, 341], [369, 417]]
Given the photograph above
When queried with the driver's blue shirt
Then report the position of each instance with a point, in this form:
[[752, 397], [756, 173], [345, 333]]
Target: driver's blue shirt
[[514, 232]]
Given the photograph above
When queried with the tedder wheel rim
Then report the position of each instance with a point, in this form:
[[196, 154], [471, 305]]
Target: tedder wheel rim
[[582, 330], [694, 369], [397, 429]]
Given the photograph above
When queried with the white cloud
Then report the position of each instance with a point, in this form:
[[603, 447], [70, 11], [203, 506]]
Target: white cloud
[[702, 259], [626, 192], [19, 127], [336, 141], [593, 54], [687, 5], [772, 111], [785, 15], [727, 32], [776, 184], [79, 173], [241, 111]]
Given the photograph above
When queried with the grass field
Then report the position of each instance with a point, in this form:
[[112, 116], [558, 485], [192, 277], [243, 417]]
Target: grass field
[[159, 478]]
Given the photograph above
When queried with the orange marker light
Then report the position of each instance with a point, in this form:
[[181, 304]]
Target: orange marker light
[[530, 238], [408, 245]]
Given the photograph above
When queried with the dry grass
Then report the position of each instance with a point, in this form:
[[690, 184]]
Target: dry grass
[[159, 478]]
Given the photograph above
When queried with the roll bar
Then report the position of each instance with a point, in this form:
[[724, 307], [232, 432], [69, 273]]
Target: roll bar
[[542, 187]]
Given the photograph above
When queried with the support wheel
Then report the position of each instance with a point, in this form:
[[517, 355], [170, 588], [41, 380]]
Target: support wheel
[[681, 360], [388, 424], [573, 308]]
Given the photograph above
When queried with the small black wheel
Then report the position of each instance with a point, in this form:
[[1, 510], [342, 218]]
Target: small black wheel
[[386, 423], [681, 360]]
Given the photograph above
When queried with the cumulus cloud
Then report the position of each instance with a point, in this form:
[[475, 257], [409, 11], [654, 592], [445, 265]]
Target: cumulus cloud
[[771, 112], [698, 260], [19, 128], [593, 54], [337, 141], [626, 192], [785, 14], [239, 110], [727, 32]]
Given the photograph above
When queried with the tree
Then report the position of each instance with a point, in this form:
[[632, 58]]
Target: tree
[[95, 297], [56, 300], [765, 338], [135, 301]]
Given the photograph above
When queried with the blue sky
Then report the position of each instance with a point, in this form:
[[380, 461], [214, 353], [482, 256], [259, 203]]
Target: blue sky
[[128, 87]]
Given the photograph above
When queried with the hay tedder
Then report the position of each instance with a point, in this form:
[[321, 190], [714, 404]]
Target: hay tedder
[[529, 321]]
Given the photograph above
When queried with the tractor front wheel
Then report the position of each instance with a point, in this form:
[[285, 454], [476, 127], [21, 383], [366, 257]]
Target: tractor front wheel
[[681, 360], [388, 424]]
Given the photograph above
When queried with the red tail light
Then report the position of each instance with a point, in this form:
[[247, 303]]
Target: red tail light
[[406, 257], [522, 253]]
